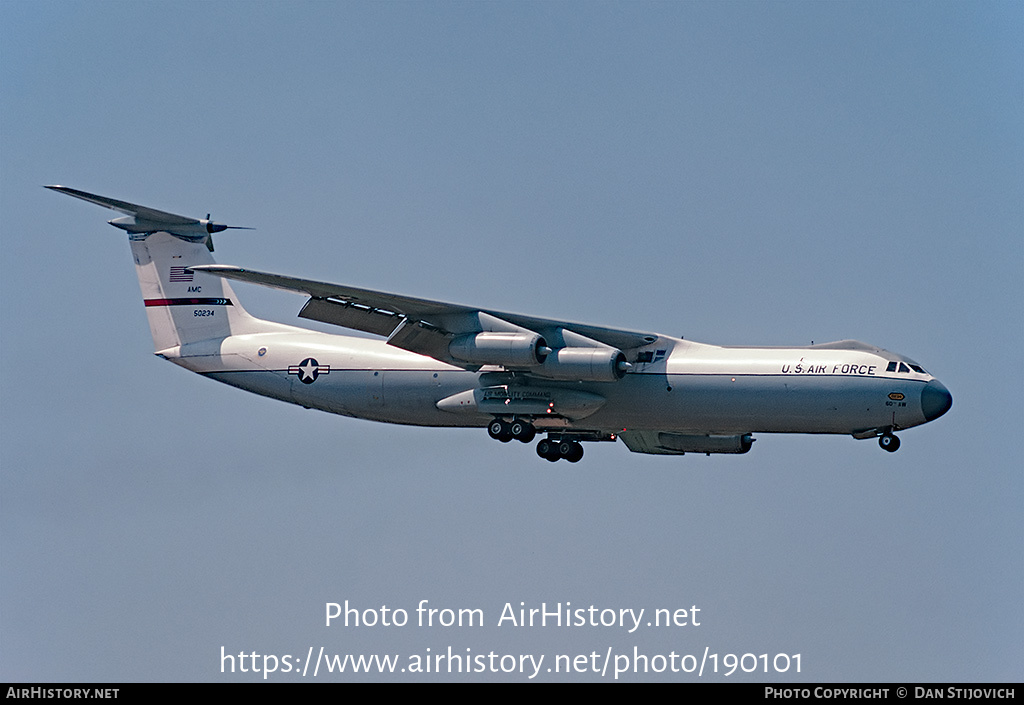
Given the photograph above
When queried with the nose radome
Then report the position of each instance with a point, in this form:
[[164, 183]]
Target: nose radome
[[935, 400]]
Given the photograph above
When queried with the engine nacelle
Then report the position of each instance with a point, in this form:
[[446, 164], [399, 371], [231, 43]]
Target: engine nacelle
[[522, 349], [585, 364]]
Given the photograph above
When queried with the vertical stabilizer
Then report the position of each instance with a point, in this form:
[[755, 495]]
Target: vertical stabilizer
[[182, 306], [185, 306]]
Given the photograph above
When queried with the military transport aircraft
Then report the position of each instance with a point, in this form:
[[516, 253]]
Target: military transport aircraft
[[517, 376]]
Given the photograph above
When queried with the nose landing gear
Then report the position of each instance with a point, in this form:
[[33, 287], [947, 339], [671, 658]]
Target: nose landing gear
[[889, 442]]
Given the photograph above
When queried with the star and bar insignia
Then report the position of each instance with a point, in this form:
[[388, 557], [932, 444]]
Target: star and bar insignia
[[308, 370]]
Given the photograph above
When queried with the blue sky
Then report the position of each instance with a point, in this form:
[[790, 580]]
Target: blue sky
[[737, 173]]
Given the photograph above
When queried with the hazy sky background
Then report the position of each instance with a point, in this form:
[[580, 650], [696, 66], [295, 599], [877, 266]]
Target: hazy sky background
[[758, 173]]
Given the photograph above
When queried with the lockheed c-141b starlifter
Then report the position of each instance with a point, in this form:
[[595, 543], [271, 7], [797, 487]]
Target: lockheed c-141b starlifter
[[518, 376]]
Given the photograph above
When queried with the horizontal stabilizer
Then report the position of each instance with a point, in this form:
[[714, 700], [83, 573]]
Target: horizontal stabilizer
[[143, 220], [140, 212]]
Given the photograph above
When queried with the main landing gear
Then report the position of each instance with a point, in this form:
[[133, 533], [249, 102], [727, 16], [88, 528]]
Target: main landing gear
[[523, 431], [554, 451], [505, 431], [889, 442]]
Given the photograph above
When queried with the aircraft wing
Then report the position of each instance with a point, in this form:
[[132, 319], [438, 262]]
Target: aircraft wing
[[427, 327]]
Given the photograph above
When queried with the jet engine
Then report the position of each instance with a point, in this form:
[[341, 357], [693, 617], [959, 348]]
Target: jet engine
[[519, 349], [589, 364]]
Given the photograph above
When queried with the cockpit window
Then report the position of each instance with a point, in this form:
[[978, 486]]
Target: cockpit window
[[903, 369]]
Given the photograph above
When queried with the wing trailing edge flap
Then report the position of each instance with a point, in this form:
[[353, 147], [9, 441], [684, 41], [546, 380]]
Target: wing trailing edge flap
[[425, 339], [352, 315]]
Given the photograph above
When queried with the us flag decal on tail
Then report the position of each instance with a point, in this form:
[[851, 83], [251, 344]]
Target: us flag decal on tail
[[178, 274]]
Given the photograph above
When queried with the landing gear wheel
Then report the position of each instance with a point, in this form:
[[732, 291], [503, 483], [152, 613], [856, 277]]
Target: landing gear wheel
[[522, 431], [889, 442], [548, 450], [574, 454], [500, 430]]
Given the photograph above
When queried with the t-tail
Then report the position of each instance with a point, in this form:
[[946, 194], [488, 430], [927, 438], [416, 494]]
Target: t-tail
[[183, 306]]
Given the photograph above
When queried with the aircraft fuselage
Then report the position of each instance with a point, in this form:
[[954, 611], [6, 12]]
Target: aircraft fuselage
[[692, 388]]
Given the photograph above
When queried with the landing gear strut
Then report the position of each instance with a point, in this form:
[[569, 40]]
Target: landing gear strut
[[889, 442]]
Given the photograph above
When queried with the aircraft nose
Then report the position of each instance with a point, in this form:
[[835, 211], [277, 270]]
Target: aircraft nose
[[935, 400]]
